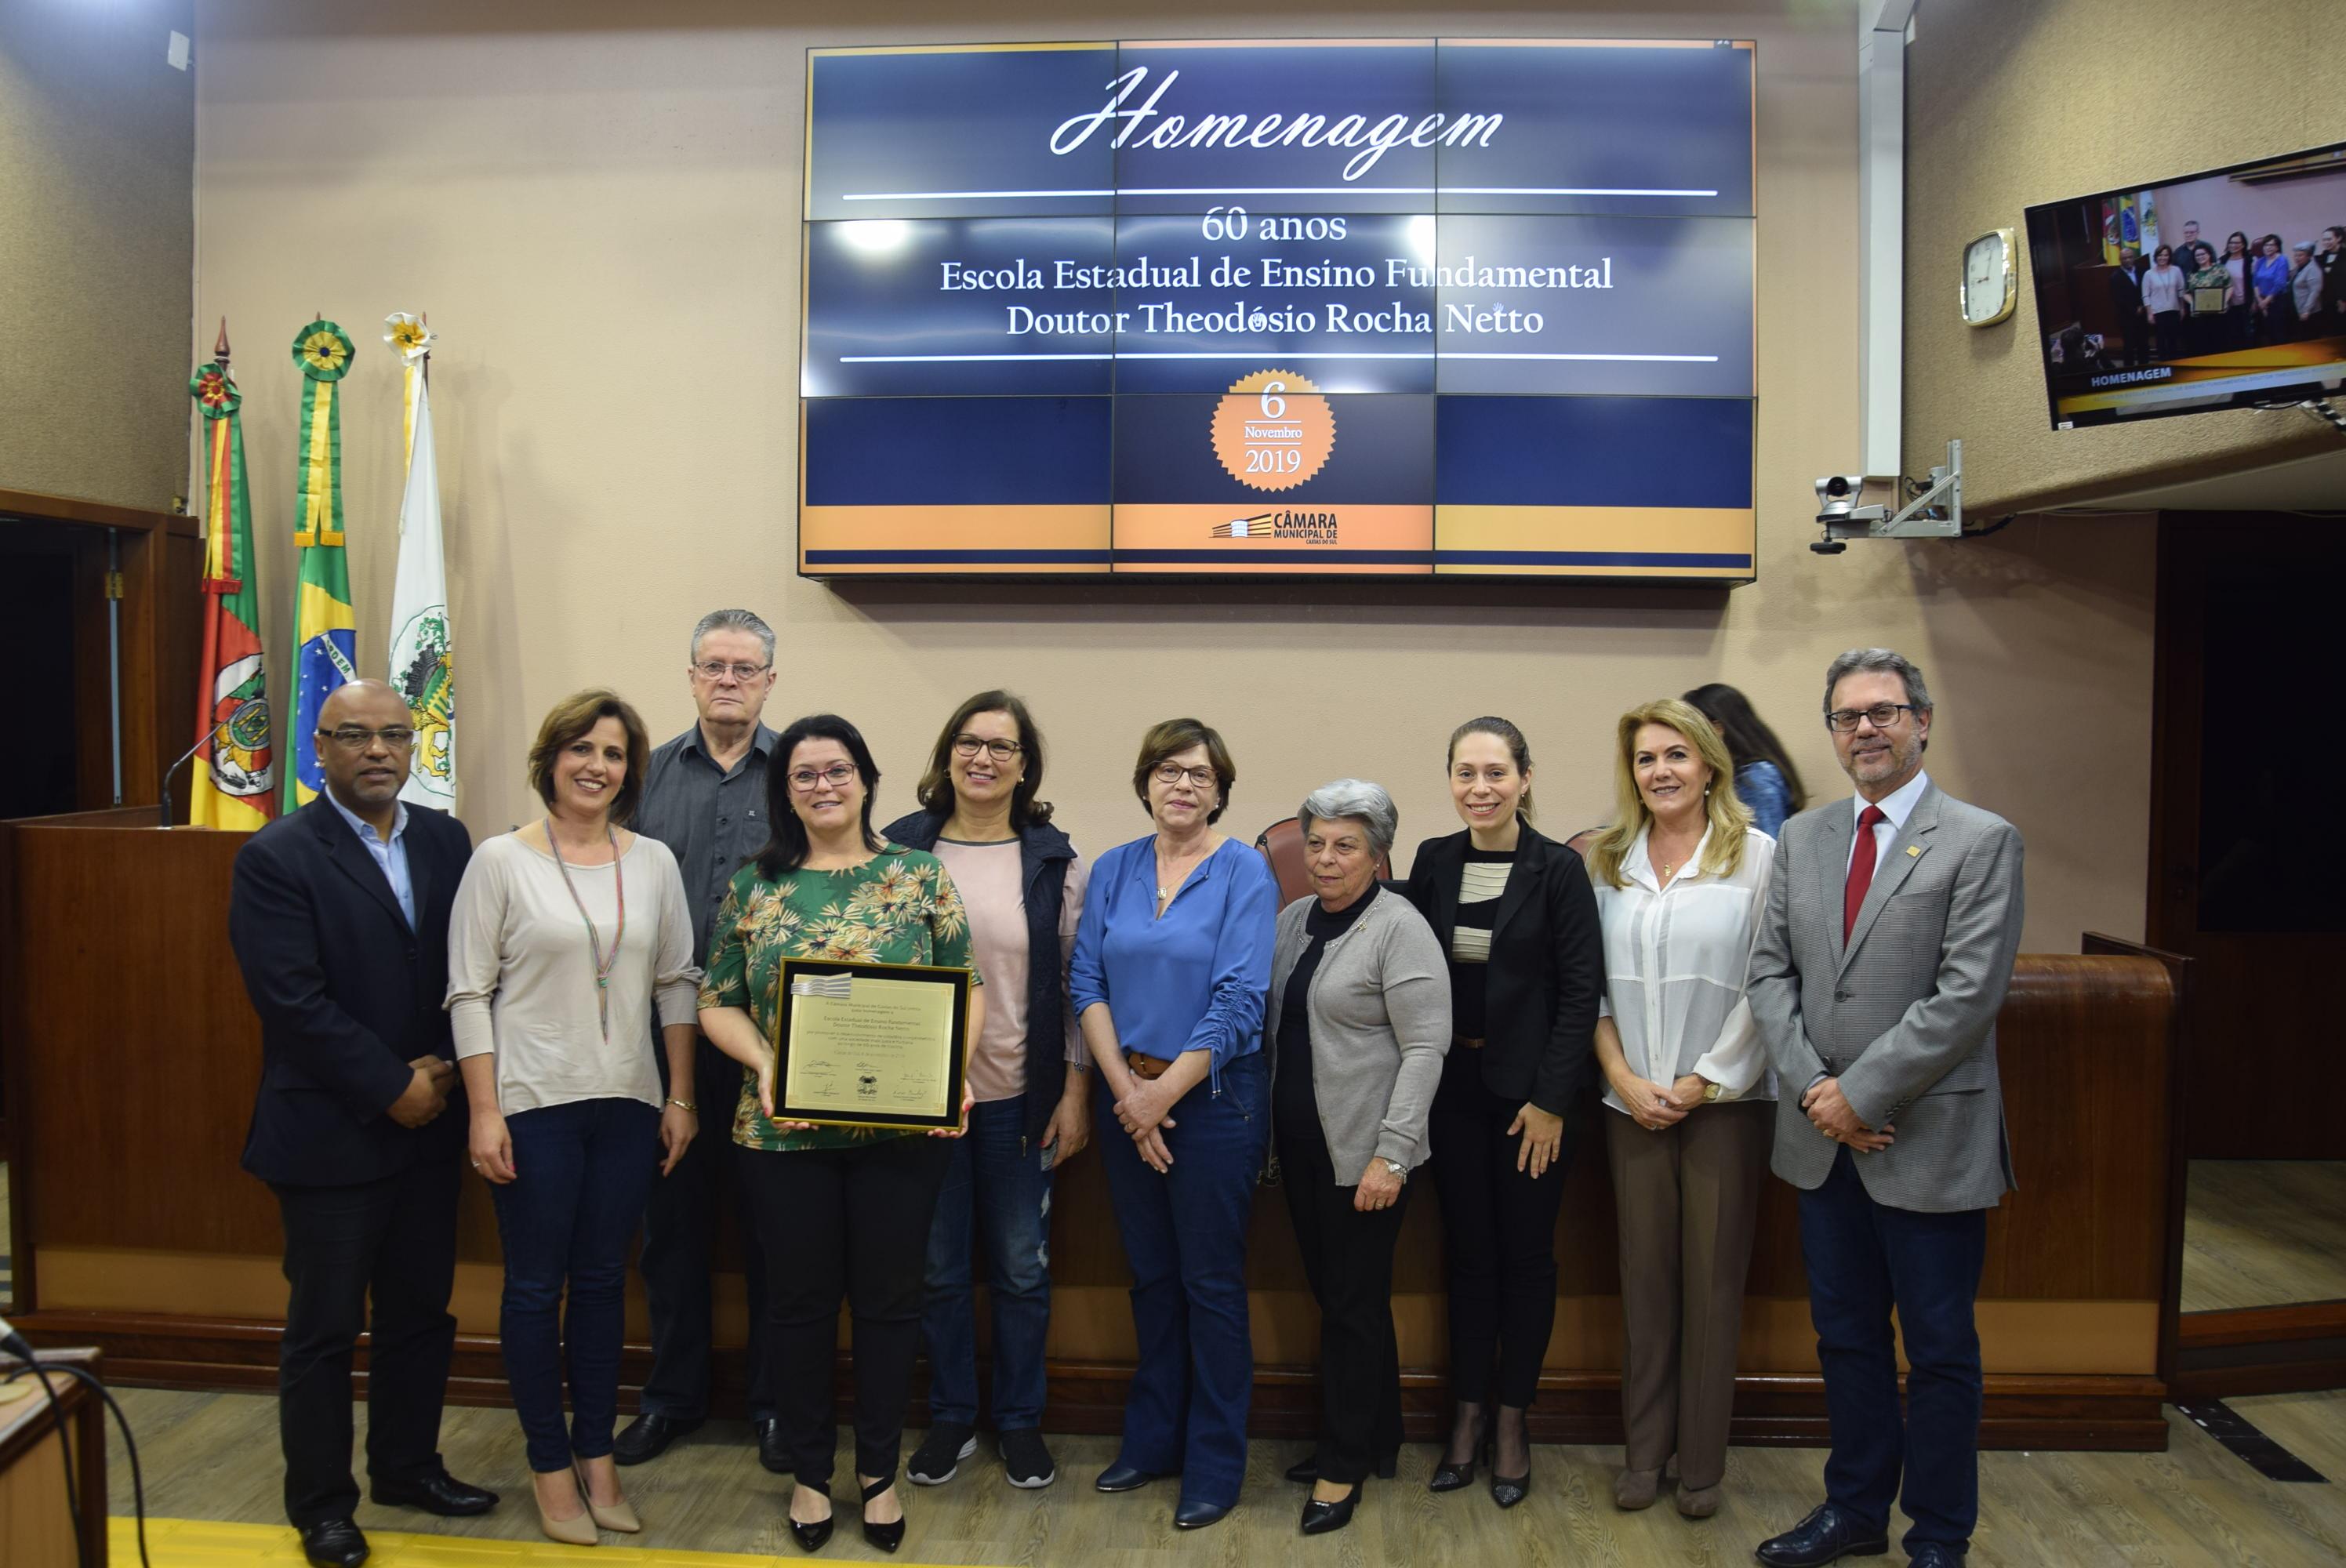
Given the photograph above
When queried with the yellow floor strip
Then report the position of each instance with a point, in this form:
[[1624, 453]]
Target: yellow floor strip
[[200, 1543]]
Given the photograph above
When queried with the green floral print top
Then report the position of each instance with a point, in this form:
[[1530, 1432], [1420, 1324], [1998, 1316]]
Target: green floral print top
[[898, 907]]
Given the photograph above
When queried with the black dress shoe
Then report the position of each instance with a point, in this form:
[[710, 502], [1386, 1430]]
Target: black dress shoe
[[889, 1536], [1198, 1515], [1826, 1535], [1507, 1491], [647, 1437], [333, 1543], [1933, 1554], [811, 1537], [1449, 1477], [771, 1453], [1123, 1476], [438, 1492], [1319, 1518]]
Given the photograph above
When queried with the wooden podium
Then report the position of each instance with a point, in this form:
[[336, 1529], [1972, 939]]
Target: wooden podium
[[131, 1056]]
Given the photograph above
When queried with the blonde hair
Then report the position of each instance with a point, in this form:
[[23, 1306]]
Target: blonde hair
[[1730, 816]]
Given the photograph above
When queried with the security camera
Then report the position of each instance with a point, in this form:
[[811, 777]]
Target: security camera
[[1936, 511], [1837, 495]]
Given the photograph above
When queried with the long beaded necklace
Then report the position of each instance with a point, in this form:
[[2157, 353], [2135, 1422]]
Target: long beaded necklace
[[604, 962]]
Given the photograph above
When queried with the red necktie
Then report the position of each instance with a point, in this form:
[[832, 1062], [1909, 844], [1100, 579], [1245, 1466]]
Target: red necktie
[[1861, 857]]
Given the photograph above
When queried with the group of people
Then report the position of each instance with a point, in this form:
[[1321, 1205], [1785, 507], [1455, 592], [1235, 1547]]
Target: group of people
[[2194, 297], [559, 1003]]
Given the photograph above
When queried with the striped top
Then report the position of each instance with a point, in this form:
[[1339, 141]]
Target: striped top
[[1482, 879]]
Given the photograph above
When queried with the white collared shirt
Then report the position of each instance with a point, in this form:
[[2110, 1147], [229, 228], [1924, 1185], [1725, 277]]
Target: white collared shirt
[[1896, 807], [390, 856], [1676, 959]]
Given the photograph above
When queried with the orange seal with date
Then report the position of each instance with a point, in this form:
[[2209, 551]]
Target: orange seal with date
[[1273, 430]]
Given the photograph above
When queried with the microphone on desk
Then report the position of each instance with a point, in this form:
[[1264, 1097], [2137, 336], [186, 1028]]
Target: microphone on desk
[[14, 1343], [163, 802]]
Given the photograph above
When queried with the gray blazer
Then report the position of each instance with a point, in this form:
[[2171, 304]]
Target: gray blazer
[[1905, 1014], [1380, 1012]]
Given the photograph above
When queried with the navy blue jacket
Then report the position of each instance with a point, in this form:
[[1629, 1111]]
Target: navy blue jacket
[[1044, 855], [348, 995]]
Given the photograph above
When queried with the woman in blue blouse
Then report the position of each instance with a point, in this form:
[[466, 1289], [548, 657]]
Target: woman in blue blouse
[[1171, 965], [1765, 779]]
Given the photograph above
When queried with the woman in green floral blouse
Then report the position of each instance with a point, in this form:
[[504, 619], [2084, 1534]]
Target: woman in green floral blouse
[[839, 1210]]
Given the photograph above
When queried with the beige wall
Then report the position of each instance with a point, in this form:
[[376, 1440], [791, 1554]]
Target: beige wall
[[96, 223], [2011, 103], [601, 218]]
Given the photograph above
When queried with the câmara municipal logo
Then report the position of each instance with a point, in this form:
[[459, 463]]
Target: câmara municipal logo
[[1296, 526]]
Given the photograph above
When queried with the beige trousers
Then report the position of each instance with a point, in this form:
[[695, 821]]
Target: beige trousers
[[1688, 1197]]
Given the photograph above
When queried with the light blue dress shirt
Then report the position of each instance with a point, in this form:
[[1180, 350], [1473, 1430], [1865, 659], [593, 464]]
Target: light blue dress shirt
[[391, 857]]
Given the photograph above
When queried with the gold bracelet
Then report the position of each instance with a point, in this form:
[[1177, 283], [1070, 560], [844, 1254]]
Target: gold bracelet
[[684, 1104]]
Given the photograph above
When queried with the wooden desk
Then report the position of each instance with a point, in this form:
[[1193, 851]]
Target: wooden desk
[[139, 1232], [34, 1531]]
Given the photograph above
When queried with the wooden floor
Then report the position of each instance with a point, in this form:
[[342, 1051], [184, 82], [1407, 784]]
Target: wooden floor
[[2262, 1233], [214, 1456]]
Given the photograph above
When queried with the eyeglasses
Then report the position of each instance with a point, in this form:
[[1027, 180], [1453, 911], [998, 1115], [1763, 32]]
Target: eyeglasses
[[1881, 716], [1173, 773], [804, 780], [1000, 750], [351, 738], [717, 670]]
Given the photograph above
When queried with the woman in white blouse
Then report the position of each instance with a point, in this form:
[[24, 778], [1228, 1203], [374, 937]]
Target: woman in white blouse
[[567, 935], [1681, 879]]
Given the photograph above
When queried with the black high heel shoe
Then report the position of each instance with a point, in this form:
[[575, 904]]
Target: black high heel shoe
[[812, 1537], [887, 1537], [1449, 1477], [1507, 1491], [1319, 1518]]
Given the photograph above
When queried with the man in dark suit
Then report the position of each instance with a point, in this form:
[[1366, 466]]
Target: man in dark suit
[[1876, 977], [2126, 302], [340, 921]]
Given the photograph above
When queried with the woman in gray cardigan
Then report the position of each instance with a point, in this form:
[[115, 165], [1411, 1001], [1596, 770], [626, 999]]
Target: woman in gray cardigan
[[1358, 1022]]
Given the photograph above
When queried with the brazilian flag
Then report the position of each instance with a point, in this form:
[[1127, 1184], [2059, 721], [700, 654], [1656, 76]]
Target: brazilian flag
[[325, 632]]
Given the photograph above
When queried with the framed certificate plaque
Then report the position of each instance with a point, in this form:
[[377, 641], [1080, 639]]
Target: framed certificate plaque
[[871, 1044]]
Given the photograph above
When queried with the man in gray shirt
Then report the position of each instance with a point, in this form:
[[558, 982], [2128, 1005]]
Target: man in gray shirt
[[705, 798]]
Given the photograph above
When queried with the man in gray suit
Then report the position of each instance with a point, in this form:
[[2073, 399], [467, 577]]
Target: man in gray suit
[[1880, 966]]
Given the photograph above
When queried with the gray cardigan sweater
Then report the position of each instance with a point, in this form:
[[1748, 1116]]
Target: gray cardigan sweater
[[1380, 1010]]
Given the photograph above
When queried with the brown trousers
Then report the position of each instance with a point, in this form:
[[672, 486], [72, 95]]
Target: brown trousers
[[1688, 1197]]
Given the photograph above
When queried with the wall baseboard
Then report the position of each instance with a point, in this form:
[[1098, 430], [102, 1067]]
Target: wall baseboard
[[2296, 1349], [1777, 1409]]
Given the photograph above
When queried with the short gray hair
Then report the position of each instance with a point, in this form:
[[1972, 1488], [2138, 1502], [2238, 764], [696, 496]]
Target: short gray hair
[[1874, 661], [1354, 798], [733, 621]]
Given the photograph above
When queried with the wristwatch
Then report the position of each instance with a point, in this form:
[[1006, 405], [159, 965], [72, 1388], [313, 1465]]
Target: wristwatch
[[1710, 1093], [1400, 1171]]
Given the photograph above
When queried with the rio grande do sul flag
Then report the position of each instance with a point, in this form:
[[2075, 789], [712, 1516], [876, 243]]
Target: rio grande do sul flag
[[421, 666], [236, 766], [325, 634]]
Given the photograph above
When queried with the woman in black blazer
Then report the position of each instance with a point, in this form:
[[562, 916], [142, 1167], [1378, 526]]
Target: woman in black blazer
[[1516, 915]]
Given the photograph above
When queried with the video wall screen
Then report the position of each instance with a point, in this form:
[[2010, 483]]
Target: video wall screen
[[2209, 292], [1476, 307]]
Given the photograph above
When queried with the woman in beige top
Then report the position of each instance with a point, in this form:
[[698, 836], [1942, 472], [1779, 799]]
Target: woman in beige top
[[566, 935]]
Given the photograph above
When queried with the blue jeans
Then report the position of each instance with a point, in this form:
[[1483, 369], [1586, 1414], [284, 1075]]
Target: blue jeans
[[1863, 1260], [997, 1189], [1185, 1237], [582, 1172]]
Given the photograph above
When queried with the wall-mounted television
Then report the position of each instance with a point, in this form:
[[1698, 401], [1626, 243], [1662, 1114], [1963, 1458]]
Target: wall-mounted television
[[2137, 320], [1405, 306]]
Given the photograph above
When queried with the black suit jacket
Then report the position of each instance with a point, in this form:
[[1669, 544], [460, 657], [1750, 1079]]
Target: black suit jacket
[[348, 995], [2126, 294], [1547, 970]]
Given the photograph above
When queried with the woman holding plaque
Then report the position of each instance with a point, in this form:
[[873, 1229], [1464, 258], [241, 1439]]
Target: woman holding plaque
[[567, 935], [1172, 963], [2209, 284], [1513, 911], [1023, 884], [842, 1211]]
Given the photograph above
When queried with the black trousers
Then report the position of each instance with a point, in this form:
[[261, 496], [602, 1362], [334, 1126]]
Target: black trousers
[[678, 1259], [1500, 1236], [1348, 1256], [850, 1223], [396, 1240]]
